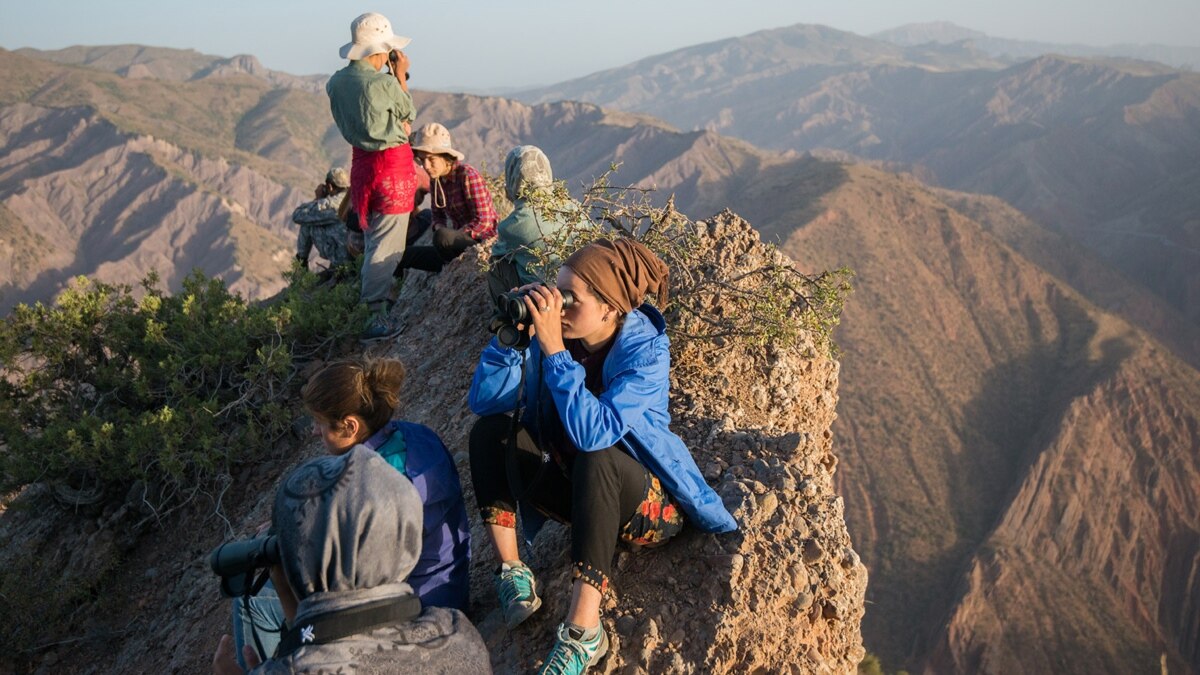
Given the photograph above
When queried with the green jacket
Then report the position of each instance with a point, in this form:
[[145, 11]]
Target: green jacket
[[522, 234], [369, 107]]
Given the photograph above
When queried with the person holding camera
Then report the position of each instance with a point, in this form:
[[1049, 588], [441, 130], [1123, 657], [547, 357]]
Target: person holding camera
[[374, 113], [462, 213], [347, 533], [319, 222], [352, 402], [593, 446]]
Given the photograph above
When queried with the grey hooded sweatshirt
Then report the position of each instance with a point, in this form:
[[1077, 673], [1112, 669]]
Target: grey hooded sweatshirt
[[349, 530], [526, 169]]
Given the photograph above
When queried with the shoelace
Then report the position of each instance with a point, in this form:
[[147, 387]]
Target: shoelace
[[560, 657], [517, 588]]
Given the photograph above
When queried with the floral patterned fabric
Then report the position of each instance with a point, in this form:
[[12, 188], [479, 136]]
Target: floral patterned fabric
[[656, 519], [496, 516]]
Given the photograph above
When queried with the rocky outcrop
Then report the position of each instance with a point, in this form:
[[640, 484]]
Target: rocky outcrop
[[782, 594]]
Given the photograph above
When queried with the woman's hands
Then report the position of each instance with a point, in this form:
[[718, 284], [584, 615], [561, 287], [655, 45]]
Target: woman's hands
[[398, 62], [544, 305]]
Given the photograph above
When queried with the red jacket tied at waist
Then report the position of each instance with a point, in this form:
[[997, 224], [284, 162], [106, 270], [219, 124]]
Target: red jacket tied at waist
[[382, 182]]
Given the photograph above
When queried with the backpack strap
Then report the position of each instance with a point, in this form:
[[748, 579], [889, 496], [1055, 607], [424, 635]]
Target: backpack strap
[[332, 626]]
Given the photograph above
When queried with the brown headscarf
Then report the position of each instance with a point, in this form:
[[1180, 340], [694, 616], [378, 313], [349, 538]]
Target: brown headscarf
[[621, 272]]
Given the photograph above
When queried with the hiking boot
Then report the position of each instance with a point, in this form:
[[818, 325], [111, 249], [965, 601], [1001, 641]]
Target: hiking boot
[[518, 593], [572, 655], [380, 328]]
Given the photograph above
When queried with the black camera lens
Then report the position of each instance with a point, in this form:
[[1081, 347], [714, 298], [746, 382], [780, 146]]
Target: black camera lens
[[237, 561], [238, 557]]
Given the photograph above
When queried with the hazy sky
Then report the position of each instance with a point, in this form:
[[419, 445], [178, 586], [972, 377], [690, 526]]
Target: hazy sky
[[509, 43]]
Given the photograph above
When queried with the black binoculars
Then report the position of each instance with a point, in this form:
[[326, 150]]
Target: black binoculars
[[510, 311]]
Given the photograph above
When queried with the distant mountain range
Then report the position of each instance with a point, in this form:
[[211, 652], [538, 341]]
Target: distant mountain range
[[1019, 467], [1101, 150], [175, 65], [945, 33]]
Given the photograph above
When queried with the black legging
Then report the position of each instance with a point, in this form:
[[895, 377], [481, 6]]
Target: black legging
[[448, 244], [604, 490]]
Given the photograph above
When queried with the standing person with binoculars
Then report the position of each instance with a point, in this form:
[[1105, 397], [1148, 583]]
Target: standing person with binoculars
[[374, 113], [593, 447]]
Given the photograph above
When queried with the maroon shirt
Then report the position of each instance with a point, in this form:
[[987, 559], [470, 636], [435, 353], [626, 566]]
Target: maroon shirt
[[467, 203]]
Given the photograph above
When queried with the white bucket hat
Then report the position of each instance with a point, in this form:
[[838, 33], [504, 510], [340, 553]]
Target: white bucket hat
[[370, 34], [434, 139], [338, 177]]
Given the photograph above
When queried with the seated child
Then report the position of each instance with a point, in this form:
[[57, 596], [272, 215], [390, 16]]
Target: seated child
[[352, 403], [461, 208]]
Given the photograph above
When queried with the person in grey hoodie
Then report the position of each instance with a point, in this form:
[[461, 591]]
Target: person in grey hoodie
[[522, 235], [349, 529]]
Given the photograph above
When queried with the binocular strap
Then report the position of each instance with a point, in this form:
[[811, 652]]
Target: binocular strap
[[512, 467], [252, 589], [332, 626]]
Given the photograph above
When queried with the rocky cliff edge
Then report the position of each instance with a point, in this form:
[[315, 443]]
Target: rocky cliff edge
[[783, 594]]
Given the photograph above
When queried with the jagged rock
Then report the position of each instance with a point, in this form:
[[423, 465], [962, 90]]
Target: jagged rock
[[703, 603], [739, 602]]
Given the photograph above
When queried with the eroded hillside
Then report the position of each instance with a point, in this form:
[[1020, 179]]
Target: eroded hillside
[[82, 198], [1002, 392], [961, 357]]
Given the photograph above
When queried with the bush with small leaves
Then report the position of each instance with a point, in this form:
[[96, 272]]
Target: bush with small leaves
[[772, 303], [107, 388]]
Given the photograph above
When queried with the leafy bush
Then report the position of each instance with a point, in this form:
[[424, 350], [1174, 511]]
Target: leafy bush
[[870, 665], [104, 388], [772, 303]]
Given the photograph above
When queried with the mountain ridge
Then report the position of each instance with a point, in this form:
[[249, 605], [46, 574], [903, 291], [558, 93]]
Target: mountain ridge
[[944, 32], [1101, 150], [941, 439], [959, 354], [168, 63]]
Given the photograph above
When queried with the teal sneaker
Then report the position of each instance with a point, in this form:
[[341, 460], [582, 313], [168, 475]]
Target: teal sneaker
[[518, 593], [381, 327], [572, 655]]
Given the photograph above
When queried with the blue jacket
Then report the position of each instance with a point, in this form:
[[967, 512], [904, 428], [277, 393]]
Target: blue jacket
[[632, 411], [442, 576]]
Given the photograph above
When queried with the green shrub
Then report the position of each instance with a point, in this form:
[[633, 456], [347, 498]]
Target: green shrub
[[106, 388], [870, 665], [770, 303]]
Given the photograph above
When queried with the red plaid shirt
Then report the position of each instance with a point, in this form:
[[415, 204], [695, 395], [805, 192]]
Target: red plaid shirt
[[468, 203]]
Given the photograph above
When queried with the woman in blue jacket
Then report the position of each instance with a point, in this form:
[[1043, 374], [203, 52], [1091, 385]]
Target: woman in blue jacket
[[593, 446]]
